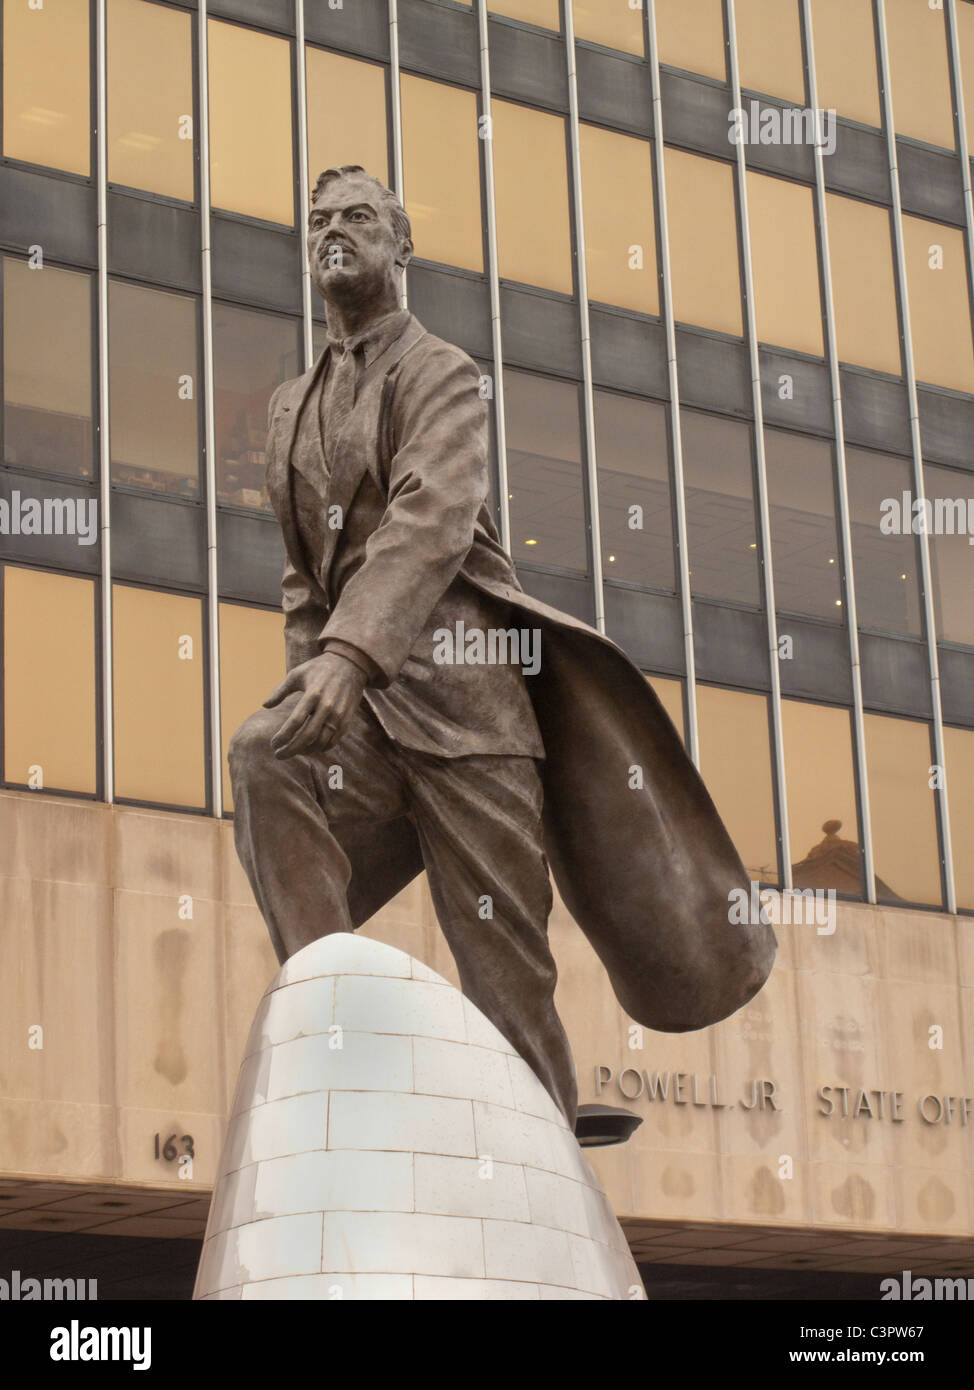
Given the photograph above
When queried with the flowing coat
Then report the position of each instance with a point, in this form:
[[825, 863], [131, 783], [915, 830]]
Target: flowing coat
[[636, 846]]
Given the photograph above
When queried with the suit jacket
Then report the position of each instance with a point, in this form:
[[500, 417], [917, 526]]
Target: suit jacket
[[637, 848], [370, 591]]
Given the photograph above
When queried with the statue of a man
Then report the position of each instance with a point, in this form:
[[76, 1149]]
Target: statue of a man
[[376, 757]]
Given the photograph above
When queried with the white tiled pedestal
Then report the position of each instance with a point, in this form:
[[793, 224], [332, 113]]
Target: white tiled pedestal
[[386, 1142]]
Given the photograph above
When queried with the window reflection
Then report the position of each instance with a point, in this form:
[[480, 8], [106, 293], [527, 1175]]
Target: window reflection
[[620, 232], [612, 23], [670, 694], [47, 351], [902, 810], [251, 162], [252, 354], [150, 124], [544, 13], [531, 186], [704, 259], [544, 463], [690, 34], [720, 509], [784, 253], [735, 762], [951, 496], [823, 821], [919, 71], [346, 114], [160, 752], [863, 286], [940, 314], [251, 665], [959, 745], [804, 540], [769, 48], [845, 59], [886, 563], [634, 491], [46, 93], [153, 376], [49, 659], [442, 172]]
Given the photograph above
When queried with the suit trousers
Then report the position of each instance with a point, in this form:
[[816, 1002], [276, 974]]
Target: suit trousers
[[478, 821]]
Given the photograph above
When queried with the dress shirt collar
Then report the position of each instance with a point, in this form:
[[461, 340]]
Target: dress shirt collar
[[376, 338]]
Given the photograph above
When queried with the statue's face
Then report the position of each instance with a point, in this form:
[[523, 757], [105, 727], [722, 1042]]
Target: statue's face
[[352, 244]]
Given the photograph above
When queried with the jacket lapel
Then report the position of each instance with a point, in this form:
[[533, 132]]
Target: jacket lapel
[[356, 446], [281, 437]]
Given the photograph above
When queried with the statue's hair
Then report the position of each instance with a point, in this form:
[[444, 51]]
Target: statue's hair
[[400, 218]]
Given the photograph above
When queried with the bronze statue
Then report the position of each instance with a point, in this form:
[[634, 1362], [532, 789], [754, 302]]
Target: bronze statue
[[378, 756]]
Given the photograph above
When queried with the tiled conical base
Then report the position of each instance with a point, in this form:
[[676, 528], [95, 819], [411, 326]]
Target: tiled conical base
[[386, 1142]]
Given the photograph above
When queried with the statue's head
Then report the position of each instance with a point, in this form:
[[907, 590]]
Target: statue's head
[[359, 235]]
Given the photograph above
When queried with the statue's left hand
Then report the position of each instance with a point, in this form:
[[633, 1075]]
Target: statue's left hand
[[331, 688]]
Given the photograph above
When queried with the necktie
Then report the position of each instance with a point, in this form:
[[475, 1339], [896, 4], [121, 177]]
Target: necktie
[[339, 396]]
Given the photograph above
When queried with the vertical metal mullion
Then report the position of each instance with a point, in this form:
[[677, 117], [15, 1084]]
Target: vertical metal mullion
[[761, 461], [493, 275], [676, 424], [845, 522], [104, 439], [212, 568], [918, 480], [395, 97], [304, 179], [581, 280]]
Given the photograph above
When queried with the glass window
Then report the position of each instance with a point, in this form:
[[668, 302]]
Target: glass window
[[252, 354], [735, 762], [959, 744], [531, 186], [46, 93], [867, 326], [612, 23], [251, 164], [886, 563], [823, 821], [251, 665], [951, 495], [670, 694], [160, 750], [544, 13], [620, 230], [720, 509], [154, 380], [804, 540], [965, 37], [442, 172], [150, 124], [940, 313], [703, 241], [47, 351], [784, 254], [690, 34], [845, 59], [769, 48], [49, 658], [902, 810], [544, 464], [919, 72], [634, 491], [346, 114]]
